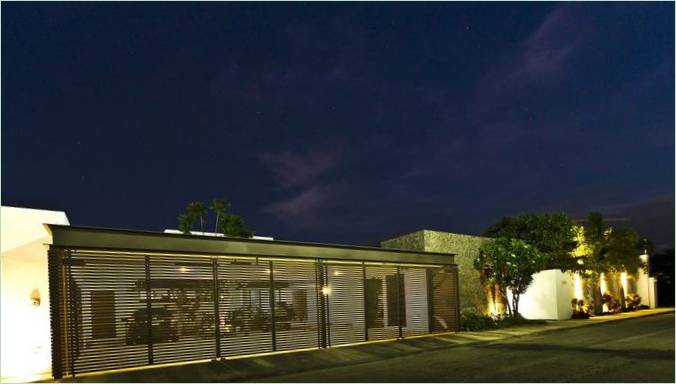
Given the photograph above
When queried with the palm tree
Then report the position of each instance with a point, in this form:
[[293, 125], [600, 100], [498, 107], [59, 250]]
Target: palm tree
[[219, 206], [197, 209]]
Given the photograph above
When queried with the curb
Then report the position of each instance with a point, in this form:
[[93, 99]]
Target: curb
[[564, 328]]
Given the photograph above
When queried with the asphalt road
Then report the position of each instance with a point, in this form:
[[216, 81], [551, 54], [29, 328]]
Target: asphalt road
[[634, 350]]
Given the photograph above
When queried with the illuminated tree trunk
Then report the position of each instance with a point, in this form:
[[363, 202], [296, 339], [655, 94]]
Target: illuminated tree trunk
[[598, 305]]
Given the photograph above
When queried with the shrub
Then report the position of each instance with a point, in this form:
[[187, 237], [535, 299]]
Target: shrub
[[580, 310], [474, 321], [580, 315], [633, 301]]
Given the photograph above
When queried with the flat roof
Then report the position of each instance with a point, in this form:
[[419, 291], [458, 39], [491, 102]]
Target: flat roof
[[74, 237]]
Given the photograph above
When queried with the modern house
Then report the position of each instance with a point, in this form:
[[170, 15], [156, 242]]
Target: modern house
[[548, 297], [118, 299]]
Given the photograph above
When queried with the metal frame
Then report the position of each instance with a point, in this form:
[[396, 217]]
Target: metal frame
[[64, 316], [55, 267], [117, 240]]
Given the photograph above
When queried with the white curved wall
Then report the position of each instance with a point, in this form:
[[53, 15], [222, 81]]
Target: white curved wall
[[25, 332]]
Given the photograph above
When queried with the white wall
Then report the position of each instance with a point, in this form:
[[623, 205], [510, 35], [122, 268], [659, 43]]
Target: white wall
[[25, 332], [548, 297], [645, 287]]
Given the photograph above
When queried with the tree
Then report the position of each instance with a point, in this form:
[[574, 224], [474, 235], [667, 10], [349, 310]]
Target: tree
[[219, 206], [602, 249], [197, 210], [227, 223], [509, 264], [232, 225], [552, 234], [185, 223]]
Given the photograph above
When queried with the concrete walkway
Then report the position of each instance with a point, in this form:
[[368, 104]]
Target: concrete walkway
[[252, 368]]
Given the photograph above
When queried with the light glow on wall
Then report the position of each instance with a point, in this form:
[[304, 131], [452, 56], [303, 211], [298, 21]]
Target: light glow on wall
[[577, 282], [25, 335], [623, 281], [604, 289]]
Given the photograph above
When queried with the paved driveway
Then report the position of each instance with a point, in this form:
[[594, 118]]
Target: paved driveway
[[624, 347], [633, 350]]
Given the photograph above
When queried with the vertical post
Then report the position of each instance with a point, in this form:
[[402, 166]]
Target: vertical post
[[317, 300], [55, 268], [71, 315], [399, 303], [326, 305], [366, 326], [272, 308], [217, 318], [322, 307], [430, 299], [149, 307], [456, 297]]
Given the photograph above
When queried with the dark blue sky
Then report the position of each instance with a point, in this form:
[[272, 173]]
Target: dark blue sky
[[339, 122]]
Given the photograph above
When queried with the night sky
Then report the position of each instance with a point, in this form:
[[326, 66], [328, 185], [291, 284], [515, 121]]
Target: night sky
[[344, 123]]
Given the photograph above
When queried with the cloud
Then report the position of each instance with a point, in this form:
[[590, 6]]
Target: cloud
[[292, 169], [509, 96], [546, 50], [302, 209], [541, 55]]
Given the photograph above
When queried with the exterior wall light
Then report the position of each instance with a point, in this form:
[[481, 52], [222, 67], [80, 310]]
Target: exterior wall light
[[326, 291], [35, 297]]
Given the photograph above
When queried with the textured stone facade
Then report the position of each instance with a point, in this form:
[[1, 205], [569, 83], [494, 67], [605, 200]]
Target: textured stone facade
[[466, 249]]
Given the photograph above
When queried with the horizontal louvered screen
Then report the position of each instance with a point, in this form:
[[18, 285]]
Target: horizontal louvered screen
[[244, 306], [444, 290], [382, 311], [124, 309], [346, 304], [106, 308], [296, 305], [182, 309], [415, 286]]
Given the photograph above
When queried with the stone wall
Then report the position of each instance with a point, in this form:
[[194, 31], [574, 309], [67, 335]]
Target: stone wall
[[465, 248], [414, 241]]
